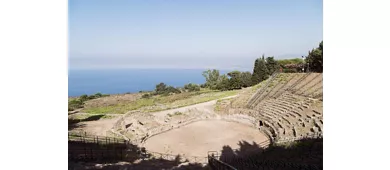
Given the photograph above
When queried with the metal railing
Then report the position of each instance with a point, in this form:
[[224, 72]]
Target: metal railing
[[216, 164], [83, 147]]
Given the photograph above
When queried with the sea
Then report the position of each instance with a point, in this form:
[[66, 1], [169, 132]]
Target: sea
[[119, 81]]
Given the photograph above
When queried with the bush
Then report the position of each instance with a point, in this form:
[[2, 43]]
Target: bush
[[171, 89], [91, 97], [75, 104], [97, 95], [192, 87], [79, 103], [84, 97], [161, 88], [147, 95]]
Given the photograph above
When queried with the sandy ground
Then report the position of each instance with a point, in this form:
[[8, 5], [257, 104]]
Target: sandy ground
[[198, 138], [99, 127]]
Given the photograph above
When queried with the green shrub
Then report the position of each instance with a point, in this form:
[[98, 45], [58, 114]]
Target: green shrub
[[192, 87], [75, 104], [90, 97], [79, 103], [83, 97], [171, 89], [163, 89], [147, 95]]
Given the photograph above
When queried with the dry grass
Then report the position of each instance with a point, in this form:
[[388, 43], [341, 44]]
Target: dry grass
[[221, 105], [112, 100]]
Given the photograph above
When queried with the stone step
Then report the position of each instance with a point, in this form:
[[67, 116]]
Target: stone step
[[271, 117], [297, 113], [272, 127], [283, 113], [317, 112], [287, 104], [281, 116], [280, 111], [318, 125], [277, 105]]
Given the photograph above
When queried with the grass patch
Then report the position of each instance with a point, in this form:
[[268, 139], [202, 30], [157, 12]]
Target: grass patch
[[77, 103], [258, 86], [122, 108], [217, 108]]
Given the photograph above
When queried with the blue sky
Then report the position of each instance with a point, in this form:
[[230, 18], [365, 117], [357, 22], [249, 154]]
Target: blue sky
[[190, 33]]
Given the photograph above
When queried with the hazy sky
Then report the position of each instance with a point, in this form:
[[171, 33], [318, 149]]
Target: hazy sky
[[221, 34]]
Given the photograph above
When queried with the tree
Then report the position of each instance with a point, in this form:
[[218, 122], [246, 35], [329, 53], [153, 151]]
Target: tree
[[161, 88], [97, 95], [235, 80], [192, 87], [223, 83], [246, 79], [255, 75], [260, 71], [212, 77], [272, 65], [315, 59], [263, 73], [171, 89]]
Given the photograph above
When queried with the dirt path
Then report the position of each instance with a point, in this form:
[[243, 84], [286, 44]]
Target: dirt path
[[206, 107]]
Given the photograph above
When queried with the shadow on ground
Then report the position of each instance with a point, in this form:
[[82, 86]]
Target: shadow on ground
[[110, 153], [303, 154], [76, 123]]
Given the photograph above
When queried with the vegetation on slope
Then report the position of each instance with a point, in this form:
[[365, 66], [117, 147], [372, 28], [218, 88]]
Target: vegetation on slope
[[78, 103], [161, 102]]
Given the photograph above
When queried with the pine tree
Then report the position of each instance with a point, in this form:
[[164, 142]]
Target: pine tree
[[263, 71], [255, 75], [260, 71], [272, 65], [246, 79], [235, 80]]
